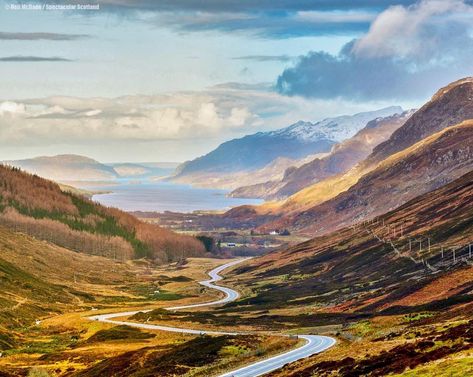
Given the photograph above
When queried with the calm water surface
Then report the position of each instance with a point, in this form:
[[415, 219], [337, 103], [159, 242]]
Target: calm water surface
[[165, 196]]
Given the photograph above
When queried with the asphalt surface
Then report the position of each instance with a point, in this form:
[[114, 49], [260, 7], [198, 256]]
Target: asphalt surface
[[314, 343]]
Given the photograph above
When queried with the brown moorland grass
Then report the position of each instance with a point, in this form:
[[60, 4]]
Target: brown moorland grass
[[39, 207]]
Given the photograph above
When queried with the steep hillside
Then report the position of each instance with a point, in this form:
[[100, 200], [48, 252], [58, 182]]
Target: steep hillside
[[373, 263], [341, 158], [399, 287], [38, 207], [296, 141], [37, 278], [425, 166], [66, 168], [450, 105]]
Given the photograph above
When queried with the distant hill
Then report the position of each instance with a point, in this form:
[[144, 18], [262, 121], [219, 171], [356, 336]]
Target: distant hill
[[66, 168], [296, 141], [341, 158], [76, 168], [143, 170], [274, 171], [40, 208]]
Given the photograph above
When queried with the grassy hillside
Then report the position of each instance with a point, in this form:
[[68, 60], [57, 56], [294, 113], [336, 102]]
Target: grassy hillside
[[40, 208], [367, 262], [38, 279], [376, 289]]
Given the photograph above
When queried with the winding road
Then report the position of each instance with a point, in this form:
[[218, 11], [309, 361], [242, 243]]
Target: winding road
[[314, 343]]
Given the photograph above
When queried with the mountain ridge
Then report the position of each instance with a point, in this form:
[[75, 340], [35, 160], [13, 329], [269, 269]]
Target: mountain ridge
[[444, 106], [424, 166], [295, 141], [341, 158]]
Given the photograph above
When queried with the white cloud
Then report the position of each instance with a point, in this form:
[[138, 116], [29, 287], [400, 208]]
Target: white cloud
[[408, 52], [144, 128], [423, 30], [11, 108]]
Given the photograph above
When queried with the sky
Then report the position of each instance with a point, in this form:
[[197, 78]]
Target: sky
[[169, 80]]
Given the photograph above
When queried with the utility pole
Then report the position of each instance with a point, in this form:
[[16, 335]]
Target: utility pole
[[469, 250], [442, 251], [428, 240], [454, 256]]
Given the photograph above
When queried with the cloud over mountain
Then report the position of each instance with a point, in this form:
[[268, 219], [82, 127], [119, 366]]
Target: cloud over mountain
[[182, 115], [407, 53], [181, 123]]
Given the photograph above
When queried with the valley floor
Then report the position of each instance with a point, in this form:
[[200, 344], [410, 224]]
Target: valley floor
[[69, 344], [54, 338]]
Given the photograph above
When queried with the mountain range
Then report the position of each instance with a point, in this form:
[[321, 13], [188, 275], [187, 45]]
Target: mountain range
[[432, 148], [255, 151], [341, 158]]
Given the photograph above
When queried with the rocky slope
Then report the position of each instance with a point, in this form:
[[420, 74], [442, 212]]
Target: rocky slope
[[425, 166], [255, 151], [450, 105], [341, 158]]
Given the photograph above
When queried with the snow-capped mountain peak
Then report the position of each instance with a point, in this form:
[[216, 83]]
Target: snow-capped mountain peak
[[335, 129]]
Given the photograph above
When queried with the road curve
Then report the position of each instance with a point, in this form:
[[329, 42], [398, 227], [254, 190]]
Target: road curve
[[314, 343]]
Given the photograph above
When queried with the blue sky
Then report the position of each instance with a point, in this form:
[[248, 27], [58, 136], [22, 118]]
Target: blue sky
[[171, 79]]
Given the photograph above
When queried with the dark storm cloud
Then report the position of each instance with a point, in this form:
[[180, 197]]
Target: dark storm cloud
[[408, 53], [321, 75]]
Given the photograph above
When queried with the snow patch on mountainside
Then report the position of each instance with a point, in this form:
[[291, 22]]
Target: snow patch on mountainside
[[335, 129]]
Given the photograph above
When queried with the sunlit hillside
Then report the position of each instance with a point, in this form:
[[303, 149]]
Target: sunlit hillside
[[39, 207]]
